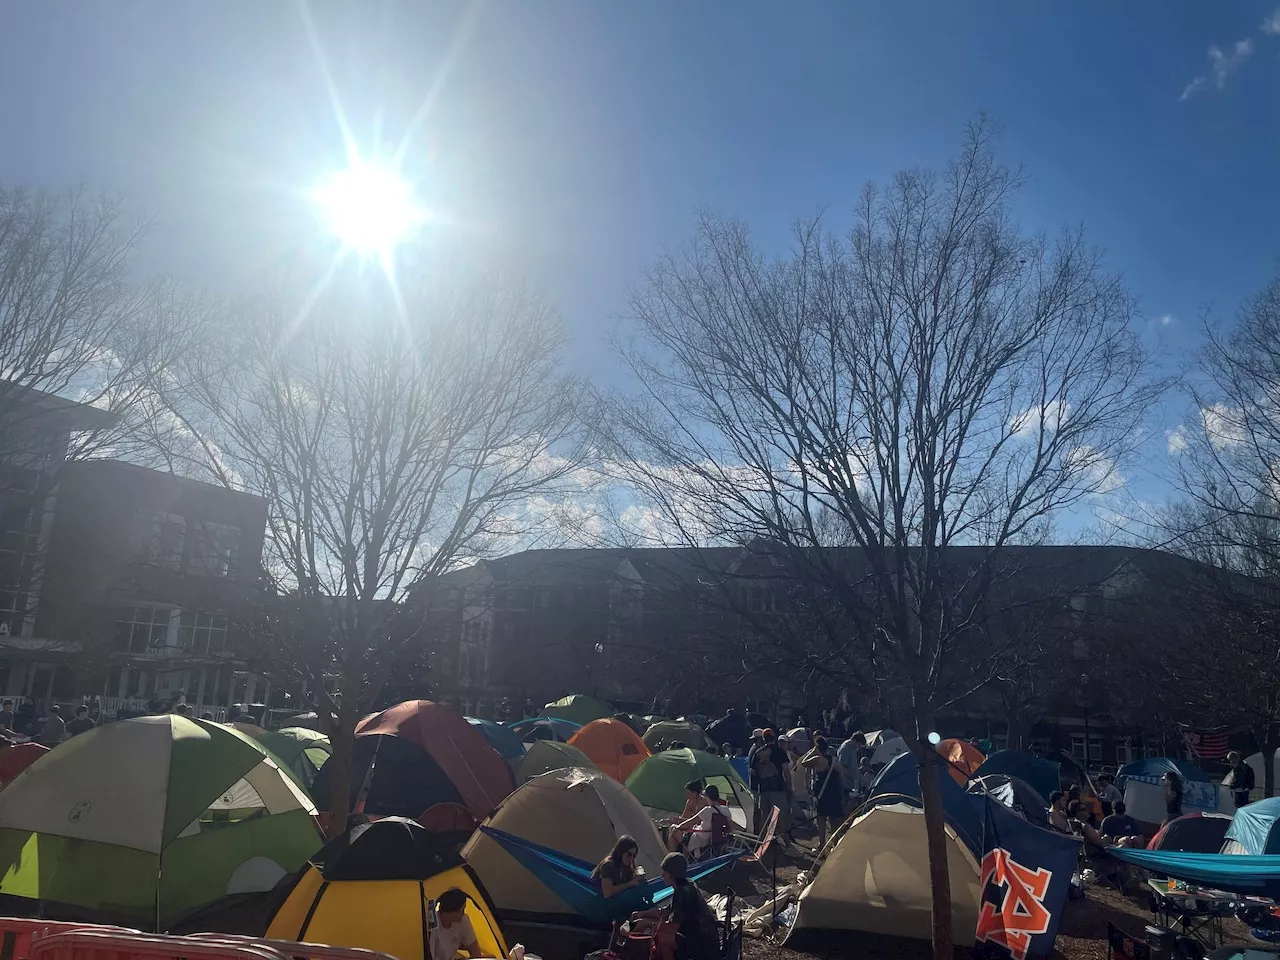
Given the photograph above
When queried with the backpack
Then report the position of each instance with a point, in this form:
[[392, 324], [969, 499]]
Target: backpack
[[763, 765]]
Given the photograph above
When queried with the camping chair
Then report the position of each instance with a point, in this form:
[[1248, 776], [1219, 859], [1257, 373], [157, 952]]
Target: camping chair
[[1120, 944], [722, 839], [754, 846]]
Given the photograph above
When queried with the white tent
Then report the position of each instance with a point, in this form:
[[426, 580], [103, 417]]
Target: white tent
[[875, 879], [1259, 783], [887, 751], [576, 811]]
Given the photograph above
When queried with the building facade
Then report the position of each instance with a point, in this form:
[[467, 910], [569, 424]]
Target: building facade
[[123, 586]]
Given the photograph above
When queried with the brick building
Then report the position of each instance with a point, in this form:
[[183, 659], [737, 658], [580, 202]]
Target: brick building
[[121, 583], [647, 629]]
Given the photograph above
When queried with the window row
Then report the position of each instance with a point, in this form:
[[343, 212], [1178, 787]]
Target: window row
[[171, 541], [162, 629]]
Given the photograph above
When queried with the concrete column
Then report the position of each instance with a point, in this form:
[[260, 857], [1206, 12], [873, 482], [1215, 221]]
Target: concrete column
[[200, 691], [250, 685]]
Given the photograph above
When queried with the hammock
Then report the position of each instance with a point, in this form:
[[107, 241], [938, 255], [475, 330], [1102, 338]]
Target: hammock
[[1256, 875], [570, 879]]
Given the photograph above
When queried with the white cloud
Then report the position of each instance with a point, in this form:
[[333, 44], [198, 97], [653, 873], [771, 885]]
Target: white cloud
[[1048, 417], [1272, 23], [1223, 425], [1221, 66], [1094, 470], [1176, 439], [1167, 319]]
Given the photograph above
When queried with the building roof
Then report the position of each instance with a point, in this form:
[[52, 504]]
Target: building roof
[[57, 411], [171, 480]]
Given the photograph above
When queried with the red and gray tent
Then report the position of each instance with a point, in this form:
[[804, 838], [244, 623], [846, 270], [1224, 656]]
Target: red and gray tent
[[1192, 833]]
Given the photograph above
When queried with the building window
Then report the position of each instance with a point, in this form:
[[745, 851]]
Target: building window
[[1095, 749], [215, 548], [1124, 754], [143, 629], [202, 633], [158, 538], [13, 609], [19, 530]]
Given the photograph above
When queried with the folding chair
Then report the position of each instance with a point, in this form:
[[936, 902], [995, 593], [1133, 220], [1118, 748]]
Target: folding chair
[[755, 846]]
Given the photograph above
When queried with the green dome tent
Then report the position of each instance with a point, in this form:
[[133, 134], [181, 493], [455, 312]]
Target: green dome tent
[[301, 751], [663, 734], [547, 755], [659, 782], [579, 708], [145, 821]]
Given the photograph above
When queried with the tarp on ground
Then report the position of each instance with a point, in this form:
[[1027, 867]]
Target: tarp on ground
[[547, 755], [1192, 833], [423, 755], [964, 811], [1257, 876], [612, 746], [963, 759], [376, 887], [659, 782], [579, 708], [90, 825], [1041, 774], [875, 879], [1254, 829], [662, 735], [577, 812]]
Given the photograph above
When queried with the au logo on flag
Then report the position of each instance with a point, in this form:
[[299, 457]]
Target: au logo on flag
[[1026, 877], [1022, 913]]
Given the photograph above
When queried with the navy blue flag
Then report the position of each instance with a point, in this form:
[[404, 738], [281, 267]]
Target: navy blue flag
[[1026, 879]]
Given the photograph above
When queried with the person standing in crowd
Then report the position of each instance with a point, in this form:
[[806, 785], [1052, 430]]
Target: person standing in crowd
[[25, 719], [1172, 784], [1108, 795], [1239, 779], [827, 787], [6, 715], [80, 723], [771, 768], [55, 728]]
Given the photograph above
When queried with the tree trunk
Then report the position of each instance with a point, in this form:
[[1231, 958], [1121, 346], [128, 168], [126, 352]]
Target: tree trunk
[[930, 762], [1270, 742], [341, 742]]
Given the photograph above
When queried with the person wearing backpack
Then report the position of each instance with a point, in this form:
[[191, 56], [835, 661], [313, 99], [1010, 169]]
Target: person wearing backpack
[[771, 769]]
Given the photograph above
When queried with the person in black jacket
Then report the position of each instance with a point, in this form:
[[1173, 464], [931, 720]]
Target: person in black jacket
[[1239, 779]]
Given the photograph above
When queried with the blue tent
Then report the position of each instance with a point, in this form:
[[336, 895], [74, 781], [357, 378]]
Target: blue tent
[[964, 811], [544, 728], [1257, 876], [1254, 828], [1153, 768], [1042, 775], [502, 739]]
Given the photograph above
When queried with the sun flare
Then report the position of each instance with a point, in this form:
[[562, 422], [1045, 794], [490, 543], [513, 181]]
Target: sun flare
[[370, 208]]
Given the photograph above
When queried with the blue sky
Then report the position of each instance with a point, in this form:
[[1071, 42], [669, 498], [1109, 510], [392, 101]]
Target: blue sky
[[577, 138]]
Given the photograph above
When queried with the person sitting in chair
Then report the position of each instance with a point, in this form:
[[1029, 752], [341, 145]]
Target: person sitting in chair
[[617, 872], [700, 830], [694, 801], [686, 926]]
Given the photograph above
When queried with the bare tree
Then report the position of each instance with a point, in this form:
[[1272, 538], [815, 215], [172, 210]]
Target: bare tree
[[390, 446], [935, 379]]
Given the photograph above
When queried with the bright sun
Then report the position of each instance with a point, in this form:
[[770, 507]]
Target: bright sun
[[370, 208]]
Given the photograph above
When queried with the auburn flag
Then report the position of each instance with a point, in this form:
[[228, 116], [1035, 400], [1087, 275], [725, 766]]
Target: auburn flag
[[1026, 878]]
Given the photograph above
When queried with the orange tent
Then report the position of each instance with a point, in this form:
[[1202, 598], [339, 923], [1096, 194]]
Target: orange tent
[[963, 759], [612, 746]]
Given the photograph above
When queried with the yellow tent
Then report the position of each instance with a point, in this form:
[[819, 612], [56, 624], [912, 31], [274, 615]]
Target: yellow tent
[[376, 886], [578, 812]]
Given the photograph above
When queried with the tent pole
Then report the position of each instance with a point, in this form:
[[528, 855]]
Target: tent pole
[[159, 875]]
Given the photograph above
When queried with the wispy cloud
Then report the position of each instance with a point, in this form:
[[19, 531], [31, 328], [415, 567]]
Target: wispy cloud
[[1222, 65], [1176, 439], [1168, 319], [1272, 23]]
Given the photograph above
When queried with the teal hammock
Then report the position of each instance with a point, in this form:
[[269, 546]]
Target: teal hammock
[[1254, 875], [570, 879]]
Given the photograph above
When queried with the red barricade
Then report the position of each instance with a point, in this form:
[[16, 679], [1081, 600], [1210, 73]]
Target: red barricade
[[296, 949], [17, 934], [89, 944]]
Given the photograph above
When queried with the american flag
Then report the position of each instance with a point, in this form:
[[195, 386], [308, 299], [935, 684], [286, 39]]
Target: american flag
[[1206, 746]]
